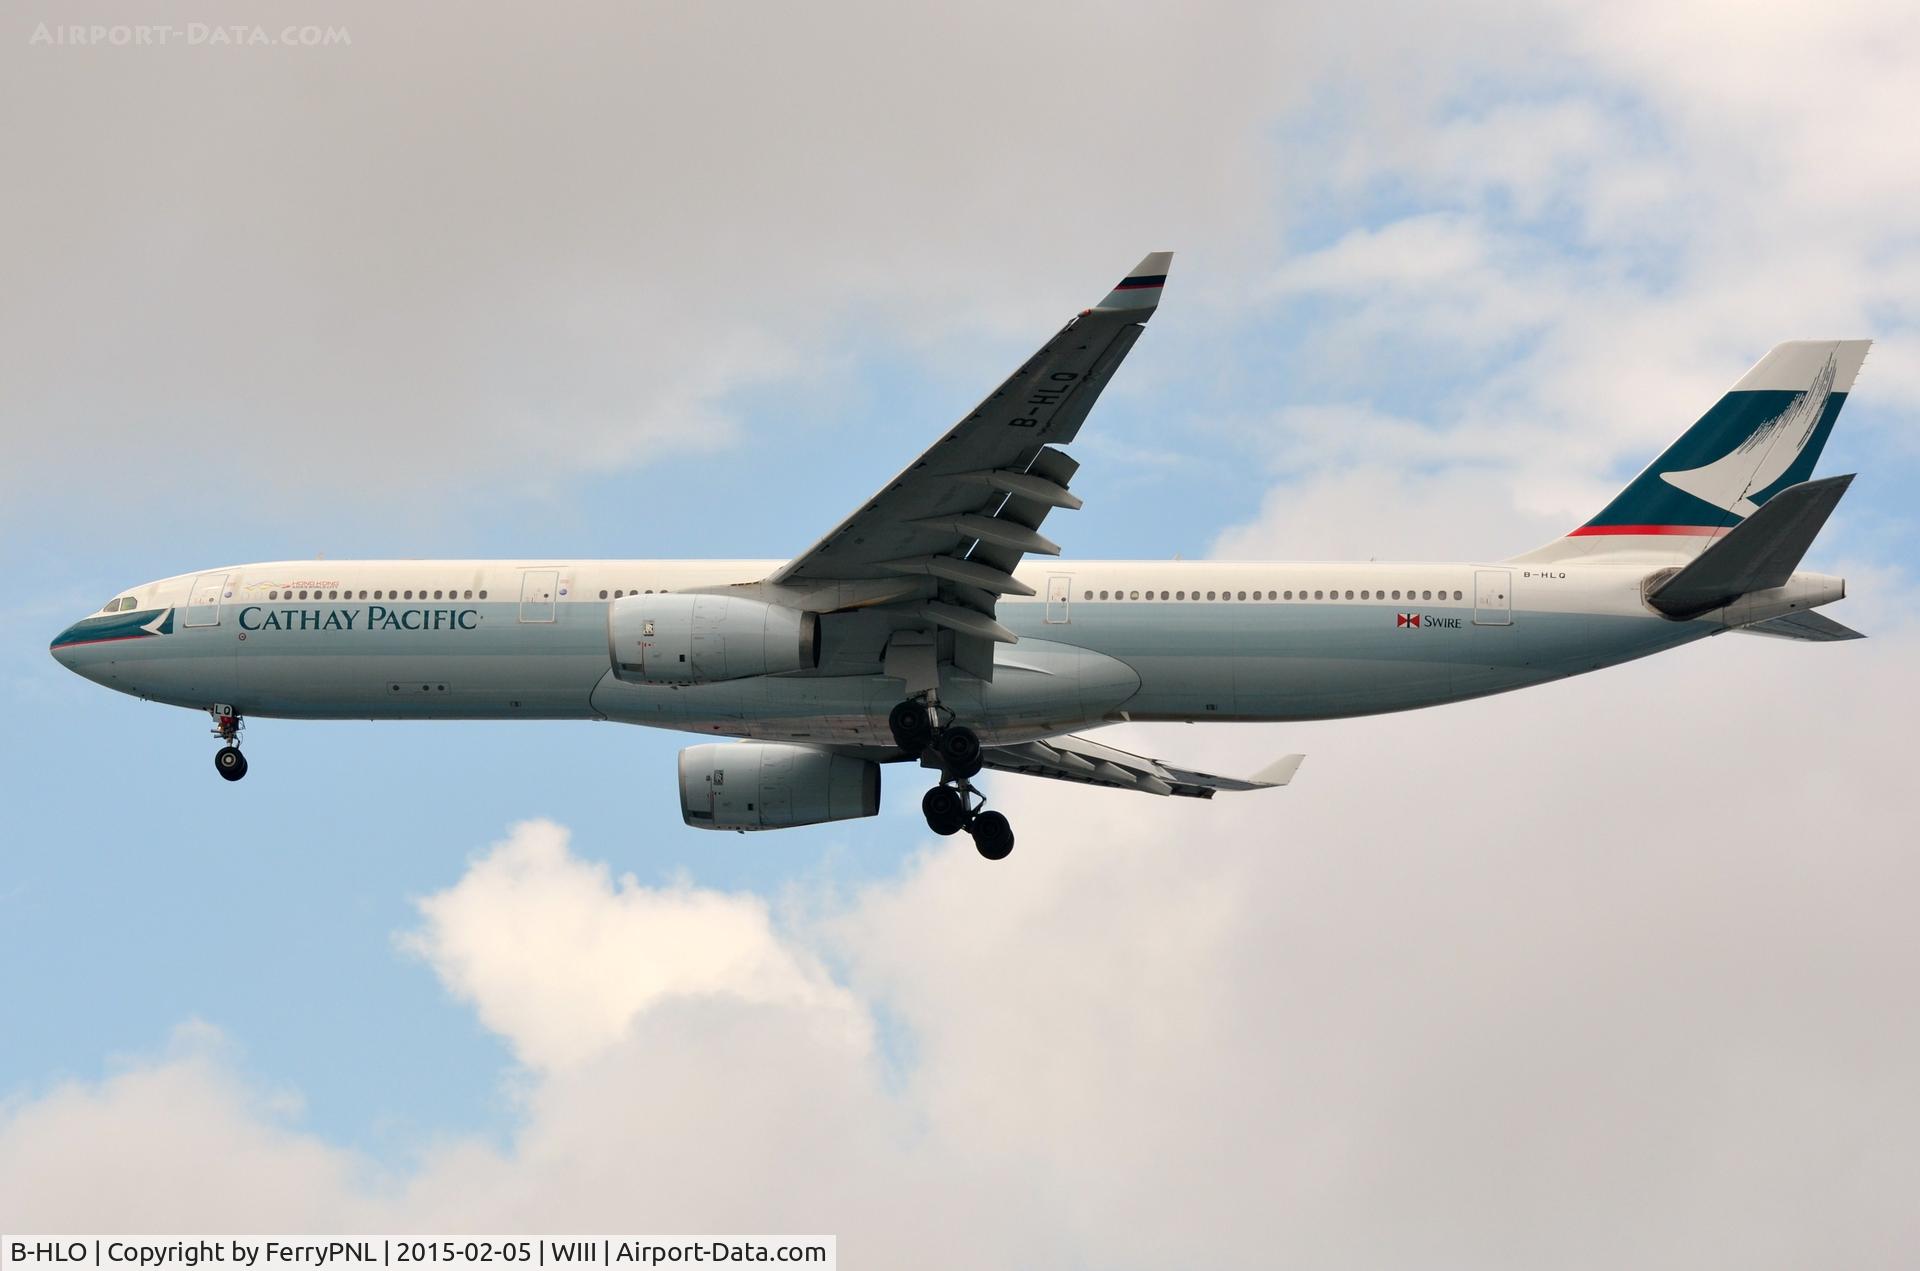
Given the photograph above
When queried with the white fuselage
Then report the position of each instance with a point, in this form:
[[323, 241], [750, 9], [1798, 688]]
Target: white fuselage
[[1100, 641]]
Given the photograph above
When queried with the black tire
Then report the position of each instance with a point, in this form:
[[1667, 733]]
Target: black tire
[[911, 731], [959, 752], [230, 763], [945, 809], [992, 836]]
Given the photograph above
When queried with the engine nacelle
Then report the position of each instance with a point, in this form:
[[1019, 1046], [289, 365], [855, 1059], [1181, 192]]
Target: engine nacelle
[[696, 639], [771, 785]]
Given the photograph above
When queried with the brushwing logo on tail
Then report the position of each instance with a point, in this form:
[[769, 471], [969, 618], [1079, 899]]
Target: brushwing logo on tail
[[1764, 456]]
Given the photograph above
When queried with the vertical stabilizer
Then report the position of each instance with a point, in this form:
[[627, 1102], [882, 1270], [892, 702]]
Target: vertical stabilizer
[[1764, 435]]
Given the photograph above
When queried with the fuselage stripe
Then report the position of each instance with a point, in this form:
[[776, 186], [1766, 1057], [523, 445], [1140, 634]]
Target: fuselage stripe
[[137, 635]]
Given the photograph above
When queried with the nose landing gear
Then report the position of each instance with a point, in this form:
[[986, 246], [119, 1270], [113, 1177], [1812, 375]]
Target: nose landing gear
[[927, 729], [228, 761]]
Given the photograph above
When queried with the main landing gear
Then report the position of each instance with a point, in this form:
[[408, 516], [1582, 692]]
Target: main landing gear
[[228, 761], [928, 730]]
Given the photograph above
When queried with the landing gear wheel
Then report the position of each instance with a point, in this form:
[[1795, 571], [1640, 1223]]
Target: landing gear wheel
[[945, 809], [959, 751], [230, 763], [912, 730], [992, 835]]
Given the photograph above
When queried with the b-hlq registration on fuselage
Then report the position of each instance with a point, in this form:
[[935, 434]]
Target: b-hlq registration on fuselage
[[918, 631]]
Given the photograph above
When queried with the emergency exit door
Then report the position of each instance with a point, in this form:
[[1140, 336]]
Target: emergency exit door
[[1059, 594], [537, 588], [1493, 598]]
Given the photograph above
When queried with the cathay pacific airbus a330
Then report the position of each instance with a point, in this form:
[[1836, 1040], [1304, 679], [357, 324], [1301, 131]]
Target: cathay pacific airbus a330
[[912, 632]]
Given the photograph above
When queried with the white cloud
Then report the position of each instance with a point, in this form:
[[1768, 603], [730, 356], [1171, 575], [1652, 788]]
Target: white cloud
[[560, 959], [508, 246], [1453, 512], [178, 1142], [1571, 267]]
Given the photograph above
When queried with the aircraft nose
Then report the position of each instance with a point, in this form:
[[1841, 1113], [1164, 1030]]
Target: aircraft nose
[[61, 647], [71, 649]]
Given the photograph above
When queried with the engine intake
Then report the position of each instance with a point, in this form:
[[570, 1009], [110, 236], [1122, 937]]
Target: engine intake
[[771, 785], [697, 639]]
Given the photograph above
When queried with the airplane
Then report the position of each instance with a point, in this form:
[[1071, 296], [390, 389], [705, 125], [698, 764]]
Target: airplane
[[917, 629]]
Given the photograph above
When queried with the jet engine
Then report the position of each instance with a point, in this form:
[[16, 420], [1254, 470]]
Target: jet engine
[[770, 785], [697, 639]]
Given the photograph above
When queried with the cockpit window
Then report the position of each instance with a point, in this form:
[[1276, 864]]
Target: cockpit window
[[117, 604]]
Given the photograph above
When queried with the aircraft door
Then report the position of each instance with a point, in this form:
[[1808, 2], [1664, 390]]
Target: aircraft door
[[537, 588], [1493, 598], [203, 602], [1059, 596]]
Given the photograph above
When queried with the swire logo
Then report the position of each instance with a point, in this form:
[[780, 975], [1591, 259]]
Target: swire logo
[[1417, 620], [1406, 620]]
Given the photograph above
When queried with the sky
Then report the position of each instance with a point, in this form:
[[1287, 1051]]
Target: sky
[[1615, 971]]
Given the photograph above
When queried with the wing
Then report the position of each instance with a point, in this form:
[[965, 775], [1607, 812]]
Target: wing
[[951, 527], [1090, 763]]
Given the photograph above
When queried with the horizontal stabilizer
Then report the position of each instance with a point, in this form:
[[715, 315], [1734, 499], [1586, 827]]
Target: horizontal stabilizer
[[1760, 552], [1803, 626]]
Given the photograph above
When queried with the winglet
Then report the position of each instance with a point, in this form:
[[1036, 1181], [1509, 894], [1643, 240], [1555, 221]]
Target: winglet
[[1139, 292], [1277, 773]]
